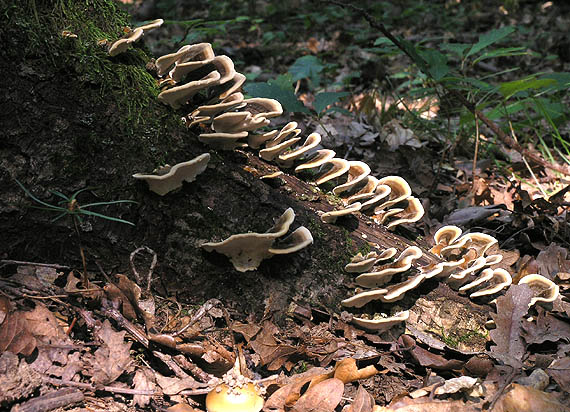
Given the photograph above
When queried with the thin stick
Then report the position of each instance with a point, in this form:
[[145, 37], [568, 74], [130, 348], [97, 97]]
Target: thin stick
[[151, 268], [20, 262], [476, 153]]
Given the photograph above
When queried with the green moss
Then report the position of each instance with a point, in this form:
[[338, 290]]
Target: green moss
[[454, 339], [85, 57]]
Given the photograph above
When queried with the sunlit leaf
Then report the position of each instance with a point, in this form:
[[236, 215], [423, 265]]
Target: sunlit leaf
[[306, 67], [280, 89], [509, 89]]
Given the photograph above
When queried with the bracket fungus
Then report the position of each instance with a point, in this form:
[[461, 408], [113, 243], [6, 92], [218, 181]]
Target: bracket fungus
[[384, 274], [199, 51], [338, 168], [331, 217], [171, 177], [287, 158], [413, 212], [490, 281], [360, 263], [247, 250], [321, 157], [196, 69], [366, 192], [400, 190], [444, 236], [177, 96], [223, 141], [544, 289], [357, 172], [121, 45], [382, 323], [377, 197]]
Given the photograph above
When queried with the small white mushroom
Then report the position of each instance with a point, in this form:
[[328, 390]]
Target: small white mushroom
[[331, 217], [444, 236], [366, 192], [256, 140], [235, 122], [543, 288], [382, 324], [151, 25], [320, 158], [283, 134], [200, 51], [179, 95], [400, 190], [338, 168], [222, 64], [383, 274], [287, 158], [357, 172], [232, 102], [297, 240], [480, 242], [381, 192], [362, 298], [271, 153], [121, 45], [224, 90], [492, 280], [172, 177], [397, 291], [412, 213], [263, 107]]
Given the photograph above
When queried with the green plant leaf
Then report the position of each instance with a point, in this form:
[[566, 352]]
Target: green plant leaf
[[325, 99], [455, 48], [114, 219], [508, 89], [280, 89], [503, 52], [437, 63], [35, 199], [112, 202], [306, 67], [562, 80], [485, 40]]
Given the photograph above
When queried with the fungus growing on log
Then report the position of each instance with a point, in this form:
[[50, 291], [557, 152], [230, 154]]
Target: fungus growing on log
[[366, 192], [222, 64], [491, 281], [233, 101], [223, 141], [320, 158], [121, 45], [357, 172], [179, 95], [270, 153], [199, 51], [381, 324], [544, 289], [412, 213], [338, 168], [247, 250], [380, 193], [171, 177], [360, 263], [444, 236], [287, 158], [384, 274], [331, 217]]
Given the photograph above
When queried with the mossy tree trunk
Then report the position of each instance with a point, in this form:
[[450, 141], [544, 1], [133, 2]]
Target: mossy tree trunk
[[72, 118]]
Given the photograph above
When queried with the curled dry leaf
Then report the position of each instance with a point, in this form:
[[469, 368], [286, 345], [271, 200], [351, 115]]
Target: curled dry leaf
[[290, 393], [363, 402], [112, 357], [323, 397], [143, 380], [347, 371]]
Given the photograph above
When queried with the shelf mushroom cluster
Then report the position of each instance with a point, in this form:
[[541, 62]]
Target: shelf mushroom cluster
[[132, 35], [247, 250], [231, 118], [194, 69], [466, 267], [388, 200]]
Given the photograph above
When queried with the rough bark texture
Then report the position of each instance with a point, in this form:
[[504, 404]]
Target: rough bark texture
[[73, 118]]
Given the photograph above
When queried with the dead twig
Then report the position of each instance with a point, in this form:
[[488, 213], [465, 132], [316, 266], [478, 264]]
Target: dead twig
[[150, 270], [5, 262]]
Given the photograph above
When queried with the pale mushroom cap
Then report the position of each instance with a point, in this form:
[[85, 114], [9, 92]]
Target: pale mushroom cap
[[382, 324], [381, 192], [331, 217], [543, 288], [167, 182], [231, 102], [400, 190], [500, 280], [179, 95], [296, 241], [384, 275], [224, 399], [286, 159], [222, 64], [154, 24], [256, 140], [284, 133], [397, 291], [472, 267], [366, 192], [281, 225], [223, 141], [445, 236], [121, 45], [381, 215], [339, 167], [231, 86], [481, 242], [362, 298], [271, 153], [200, 51], [357, 172], [412, 213], [430, 271], [361, 266], [321, 157], [264, 107]]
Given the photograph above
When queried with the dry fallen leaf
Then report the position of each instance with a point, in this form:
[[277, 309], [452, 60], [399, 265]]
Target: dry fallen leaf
[[511, 308], [363, 402], [347, 371], [112, 357], [143, 380], [323, 397], [288, 394], [525, 399]]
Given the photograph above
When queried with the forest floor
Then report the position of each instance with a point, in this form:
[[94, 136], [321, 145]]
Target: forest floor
[[118, 344]]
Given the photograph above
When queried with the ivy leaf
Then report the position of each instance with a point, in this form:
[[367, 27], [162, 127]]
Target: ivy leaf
[[280, 89], [325, 99]]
